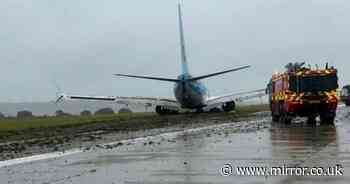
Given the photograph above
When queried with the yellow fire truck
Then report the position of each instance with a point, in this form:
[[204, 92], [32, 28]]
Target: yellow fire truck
[[305, 92]]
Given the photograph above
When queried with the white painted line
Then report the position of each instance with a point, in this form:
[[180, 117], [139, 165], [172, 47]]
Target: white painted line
[[134, 140], [38, 157]]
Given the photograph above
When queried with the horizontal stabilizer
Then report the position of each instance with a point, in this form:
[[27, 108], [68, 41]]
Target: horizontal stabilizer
[[147, 77], [219, 73]]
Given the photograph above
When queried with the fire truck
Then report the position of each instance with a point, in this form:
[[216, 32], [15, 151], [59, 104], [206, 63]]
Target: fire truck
[[304, 92], [345, 95]]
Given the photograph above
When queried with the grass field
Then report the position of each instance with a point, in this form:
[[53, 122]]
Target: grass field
[[53, 121], [13, 127]]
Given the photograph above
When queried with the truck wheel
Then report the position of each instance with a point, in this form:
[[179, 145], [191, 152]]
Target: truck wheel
[[287, 120], [281, 119], [275, 118], [311, 120], [327, 120]]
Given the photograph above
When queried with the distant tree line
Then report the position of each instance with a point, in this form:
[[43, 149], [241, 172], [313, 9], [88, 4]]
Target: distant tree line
[[20, 115], [2, 116], [24, 114], [60, 113], [124, 110], [104, 111], [85, 113]]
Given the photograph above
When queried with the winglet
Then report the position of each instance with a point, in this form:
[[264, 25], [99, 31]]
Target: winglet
[[59, 98], [59, 94]]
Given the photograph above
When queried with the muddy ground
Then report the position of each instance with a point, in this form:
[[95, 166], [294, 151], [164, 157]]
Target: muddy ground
[[44, 140], [198, 155]]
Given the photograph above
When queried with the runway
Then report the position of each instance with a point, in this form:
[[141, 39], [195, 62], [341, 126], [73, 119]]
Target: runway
[[197, 155]]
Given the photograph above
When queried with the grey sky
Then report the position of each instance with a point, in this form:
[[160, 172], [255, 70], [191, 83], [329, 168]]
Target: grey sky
[[82, 43]]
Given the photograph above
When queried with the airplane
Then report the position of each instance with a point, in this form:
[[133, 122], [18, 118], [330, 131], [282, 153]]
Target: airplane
[[189, 91]]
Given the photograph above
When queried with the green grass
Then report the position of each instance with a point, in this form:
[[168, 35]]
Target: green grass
[[38, 126], [47, 122]]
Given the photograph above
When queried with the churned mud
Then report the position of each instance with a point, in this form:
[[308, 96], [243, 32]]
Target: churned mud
[[58, 139]]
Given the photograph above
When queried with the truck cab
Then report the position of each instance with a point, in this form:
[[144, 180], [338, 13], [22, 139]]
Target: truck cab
[[304, 92]]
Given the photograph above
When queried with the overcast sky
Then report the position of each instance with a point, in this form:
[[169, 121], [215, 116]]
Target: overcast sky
[[81, 43]]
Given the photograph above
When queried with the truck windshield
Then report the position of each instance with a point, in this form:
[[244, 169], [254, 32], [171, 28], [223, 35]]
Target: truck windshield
[[314, 83], [345, 91]]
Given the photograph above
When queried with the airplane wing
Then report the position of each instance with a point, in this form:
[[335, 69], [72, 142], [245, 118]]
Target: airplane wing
[[149, 101], [146, 101], [80, 97], [236, 97]]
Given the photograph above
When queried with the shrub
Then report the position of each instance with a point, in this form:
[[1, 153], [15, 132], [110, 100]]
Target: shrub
[[24, 114], [2, 116], [62, 113], [124, 110], [104, 111], [85, 113]]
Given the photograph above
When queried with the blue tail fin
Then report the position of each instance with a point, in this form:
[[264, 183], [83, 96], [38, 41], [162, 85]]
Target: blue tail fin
[[182, 43]]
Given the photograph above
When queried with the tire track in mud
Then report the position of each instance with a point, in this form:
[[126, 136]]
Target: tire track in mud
[[116, 139]]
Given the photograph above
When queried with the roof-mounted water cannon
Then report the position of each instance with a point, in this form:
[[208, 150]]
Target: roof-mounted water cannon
[[293, 67]]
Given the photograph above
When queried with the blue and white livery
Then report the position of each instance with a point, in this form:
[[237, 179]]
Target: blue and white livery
[[189, 91]]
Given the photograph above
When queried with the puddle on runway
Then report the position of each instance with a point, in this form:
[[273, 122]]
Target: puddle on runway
[[196, 156]]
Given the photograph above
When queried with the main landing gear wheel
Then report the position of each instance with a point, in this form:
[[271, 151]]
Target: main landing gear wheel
[[163, 110], [229, 106]]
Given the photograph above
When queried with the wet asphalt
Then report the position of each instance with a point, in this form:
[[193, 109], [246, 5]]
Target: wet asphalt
[[197, 156]]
